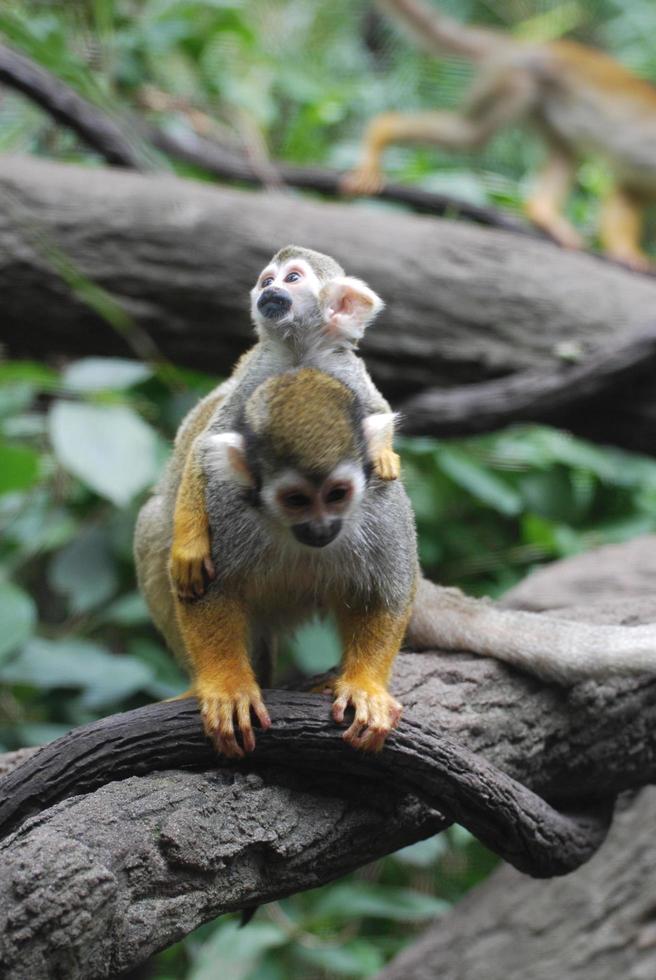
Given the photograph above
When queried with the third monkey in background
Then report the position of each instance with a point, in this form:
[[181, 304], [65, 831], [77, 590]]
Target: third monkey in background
[[582, 102]]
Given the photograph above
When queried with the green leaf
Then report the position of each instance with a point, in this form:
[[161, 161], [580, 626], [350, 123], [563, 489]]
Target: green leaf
[[357, 899], [357, 958], [18, 618], [479, 481], [424, 853], [84, 571], [19, 467], [316, 647], [15, 397], [104, 678], [128, 610], [109, 447], [236, 950], [98, 373]]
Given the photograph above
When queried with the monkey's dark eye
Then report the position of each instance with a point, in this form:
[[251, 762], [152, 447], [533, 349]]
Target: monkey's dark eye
[[295, 500], [337, 494], [292, 277], [266, 282]]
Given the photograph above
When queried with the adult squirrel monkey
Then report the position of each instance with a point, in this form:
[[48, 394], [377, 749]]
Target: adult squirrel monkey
[[307, 312], [581, 100], [301, 524], [296, 518]]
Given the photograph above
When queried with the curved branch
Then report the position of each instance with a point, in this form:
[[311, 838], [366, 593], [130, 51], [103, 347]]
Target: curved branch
[[510, 819]]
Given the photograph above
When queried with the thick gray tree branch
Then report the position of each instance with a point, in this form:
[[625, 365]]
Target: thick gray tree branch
[[465, 304], [126, 870]]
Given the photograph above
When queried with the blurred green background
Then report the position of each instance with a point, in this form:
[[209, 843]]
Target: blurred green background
[[81, 442]]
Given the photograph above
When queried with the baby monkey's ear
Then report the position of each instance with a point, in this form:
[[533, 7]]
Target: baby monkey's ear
[[225, 458], [350, 306]]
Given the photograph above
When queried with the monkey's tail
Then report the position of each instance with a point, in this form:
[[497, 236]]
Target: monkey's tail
[[554, 649], [438, 33]]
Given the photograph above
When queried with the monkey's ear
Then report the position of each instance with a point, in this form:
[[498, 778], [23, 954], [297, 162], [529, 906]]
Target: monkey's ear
[[225, 458], [350, 305], [378, 430]]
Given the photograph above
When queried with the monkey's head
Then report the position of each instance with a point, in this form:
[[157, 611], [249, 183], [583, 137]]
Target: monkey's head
[[303, 452], [304, 295]]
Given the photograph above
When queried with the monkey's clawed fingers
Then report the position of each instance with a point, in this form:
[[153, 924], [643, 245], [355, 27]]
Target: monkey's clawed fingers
[[219, 712], [191, 571], [376, 714]]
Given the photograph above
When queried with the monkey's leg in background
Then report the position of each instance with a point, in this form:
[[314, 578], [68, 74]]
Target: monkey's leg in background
[[216, 636], [371, 641], [547, 201], [191, 560], [497, 97], [620, 230]]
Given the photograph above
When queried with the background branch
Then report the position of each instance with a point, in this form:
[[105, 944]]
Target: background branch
[[465, 305]]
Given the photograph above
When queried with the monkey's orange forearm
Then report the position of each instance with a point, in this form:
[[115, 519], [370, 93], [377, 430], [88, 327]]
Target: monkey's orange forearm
[[371, 642], [216, 637], [191, 559]]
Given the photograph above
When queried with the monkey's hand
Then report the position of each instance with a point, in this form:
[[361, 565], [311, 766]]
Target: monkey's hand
[[365, 180], [376, 712], [387, 465], [223, 705], [191, 566]]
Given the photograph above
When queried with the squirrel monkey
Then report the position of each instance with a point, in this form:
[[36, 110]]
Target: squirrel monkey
[[581, 100], [304, 525], [307, 312]]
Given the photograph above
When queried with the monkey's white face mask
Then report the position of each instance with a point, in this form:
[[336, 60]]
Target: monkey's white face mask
[[313, 510], [289, 303]]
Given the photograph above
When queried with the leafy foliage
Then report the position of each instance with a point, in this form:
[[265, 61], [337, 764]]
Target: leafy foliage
[[80, 445]]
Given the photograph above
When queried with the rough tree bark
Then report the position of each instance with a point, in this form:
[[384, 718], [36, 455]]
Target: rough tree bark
[[465, 304], [98, 882], [597, 923]]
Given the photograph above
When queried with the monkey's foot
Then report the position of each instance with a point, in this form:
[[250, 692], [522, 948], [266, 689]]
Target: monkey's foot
[[364, 180], [634, 259], [191, 568], [376, 713], [387, 465], [223, 710], [555, 225]]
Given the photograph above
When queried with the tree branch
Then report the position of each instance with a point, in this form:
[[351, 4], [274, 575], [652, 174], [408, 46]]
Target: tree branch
[[120, 872], [511, 820]]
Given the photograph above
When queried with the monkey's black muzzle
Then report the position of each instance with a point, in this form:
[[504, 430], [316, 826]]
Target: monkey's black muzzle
[[274, 303], [317, 534]]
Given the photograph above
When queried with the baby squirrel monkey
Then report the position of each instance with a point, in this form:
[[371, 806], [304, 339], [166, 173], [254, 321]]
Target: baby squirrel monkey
[[306, 312], [581, 100], [300, 524]]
